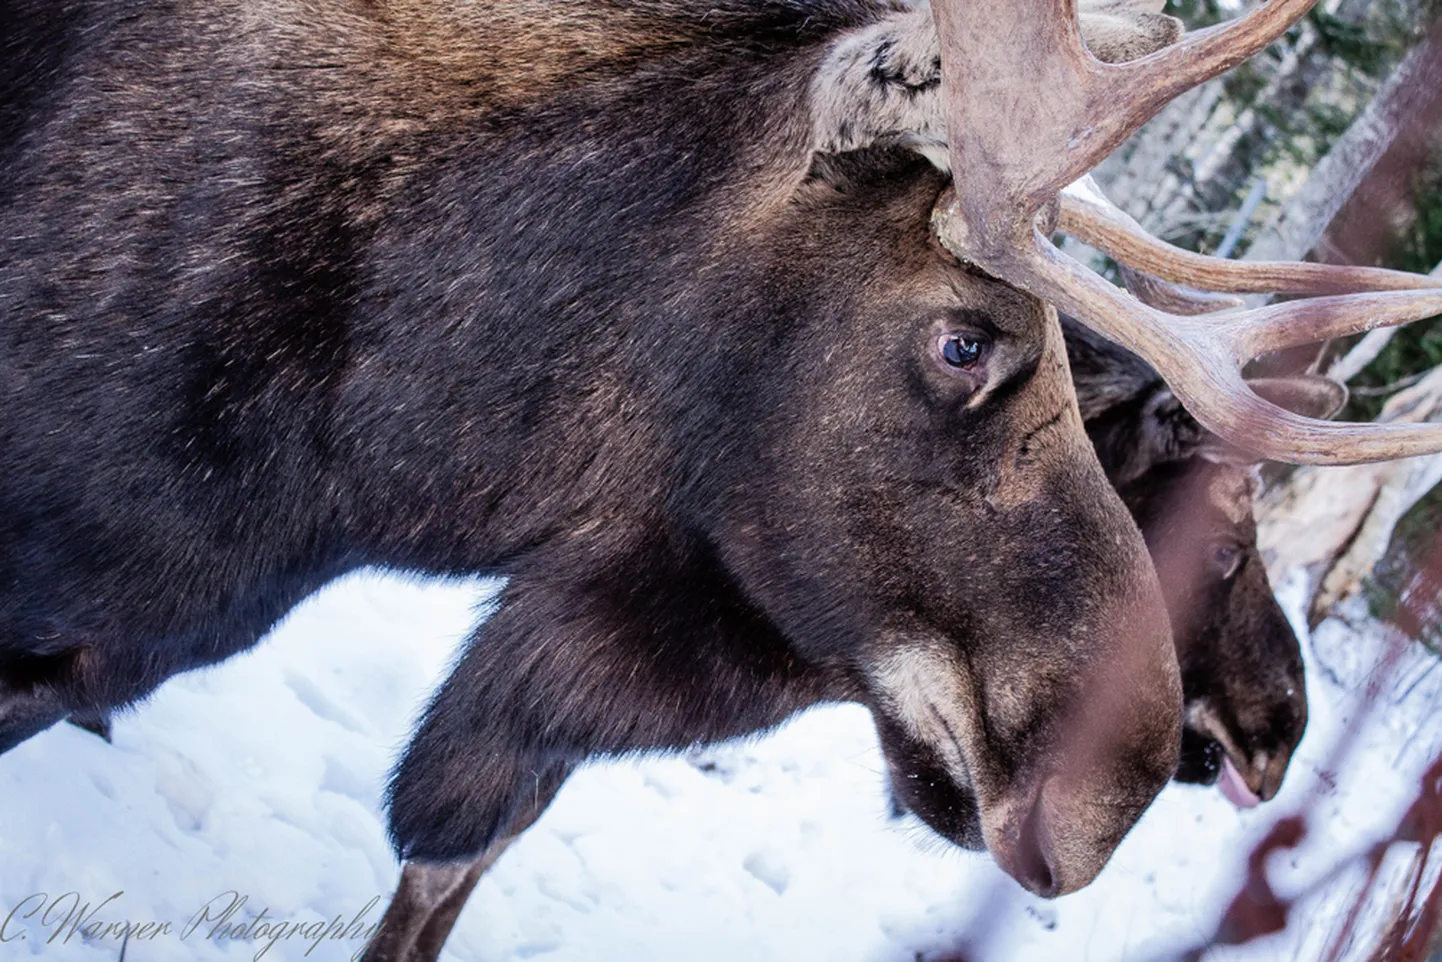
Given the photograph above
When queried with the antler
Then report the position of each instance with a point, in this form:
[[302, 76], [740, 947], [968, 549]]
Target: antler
[[1017, 138], [1089, 216], [1174, 298]]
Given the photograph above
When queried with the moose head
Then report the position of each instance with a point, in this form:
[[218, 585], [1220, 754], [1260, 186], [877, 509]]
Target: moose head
[[912, 516], [1192, 496], [1020, 174]]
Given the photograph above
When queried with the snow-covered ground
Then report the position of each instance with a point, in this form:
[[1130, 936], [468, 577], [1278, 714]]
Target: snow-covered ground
[[254, 788]]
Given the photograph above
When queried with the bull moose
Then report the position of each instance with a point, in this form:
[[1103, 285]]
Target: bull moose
[[1191, 494], [713, 325]]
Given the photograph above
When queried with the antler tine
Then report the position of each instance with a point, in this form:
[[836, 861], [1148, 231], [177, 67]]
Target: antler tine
[[1174, 299], [1019, 136], [1142, 87], [1277, 326], [1090, 217], [1200, 359], [1258, 426]]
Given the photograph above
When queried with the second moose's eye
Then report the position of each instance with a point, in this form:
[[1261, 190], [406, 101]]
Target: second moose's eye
[[960, 350], [1226, 559]]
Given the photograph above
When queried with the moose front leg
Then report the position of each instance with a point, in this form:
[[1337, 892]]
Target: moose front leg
[[430, 896], [26, 710], [559, 674]]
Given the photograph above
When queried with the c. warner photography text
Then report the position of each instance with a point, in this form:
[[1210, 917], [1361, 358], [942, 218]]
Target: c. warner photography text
[[231, 916]]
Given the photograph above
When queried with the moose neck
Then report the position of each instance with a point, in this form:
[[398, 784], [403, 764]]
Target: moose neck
[[552, 384]]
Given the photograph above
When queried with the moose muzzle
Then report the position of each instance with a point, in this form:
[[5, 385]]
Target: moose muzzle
[[1043, 751]]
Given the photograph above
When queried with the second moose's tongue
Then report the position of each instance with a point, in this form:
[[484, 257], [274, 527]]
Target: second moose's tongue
[[1234, 787]]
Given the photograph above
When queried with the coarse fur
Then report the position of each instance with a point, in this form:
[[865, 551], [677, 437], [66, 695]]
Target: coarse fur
[[567, 292]]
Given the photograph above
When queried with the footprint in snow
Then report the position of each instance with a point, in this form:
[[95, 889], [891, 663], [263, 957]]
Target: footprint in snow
[[770, 870]]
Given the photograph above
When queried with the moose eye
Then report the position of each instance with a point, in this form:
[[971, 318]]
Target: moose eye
[[1226, 559], [960, 350]]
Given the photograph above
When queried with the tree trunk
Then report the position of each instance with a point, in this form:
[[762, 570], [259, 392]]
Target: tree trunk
[[1403, 98], [1337, 522]]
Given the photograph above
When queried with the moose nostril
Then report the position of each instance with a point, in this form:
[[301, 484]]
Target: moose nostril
[[1032, 863], [1273, 769]]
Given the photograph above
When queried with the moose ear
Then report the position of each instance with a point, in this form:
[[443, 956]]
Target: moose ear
[[1169, 433], [1309, 395], [1151, 430], [859, 171]]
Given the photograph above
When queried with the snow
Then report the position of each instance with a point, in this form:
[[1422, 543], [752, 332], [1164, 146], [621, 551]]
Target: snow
[[254, 787]]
